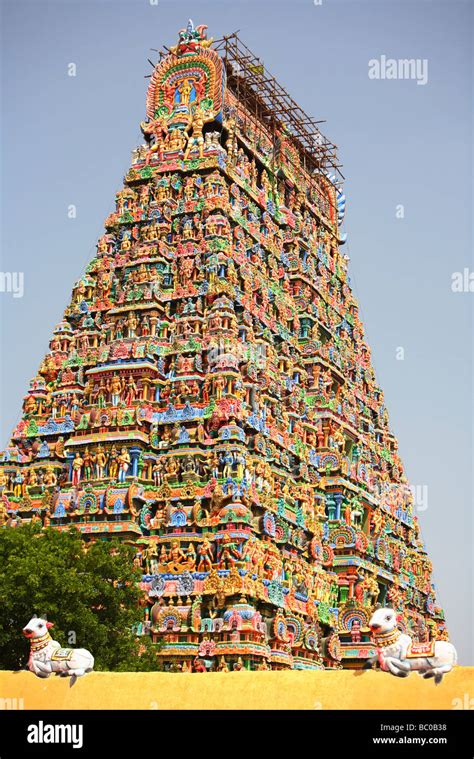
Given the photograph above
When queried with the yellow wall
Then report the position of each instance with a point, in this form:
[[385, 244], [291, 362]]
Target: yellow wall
[[239, 690]]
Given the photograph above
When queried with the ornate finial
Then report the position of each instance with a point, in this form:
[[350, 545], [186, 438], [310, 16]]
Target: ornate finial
[[191, 39]]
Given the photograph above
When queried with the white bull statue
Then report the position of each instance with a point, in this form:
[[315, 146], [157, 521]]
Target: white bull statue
[[398, 654], [47, 657]]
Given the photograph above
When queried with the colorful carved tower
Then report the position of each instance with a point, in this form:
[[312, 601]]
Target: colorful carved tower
[[209, 394]]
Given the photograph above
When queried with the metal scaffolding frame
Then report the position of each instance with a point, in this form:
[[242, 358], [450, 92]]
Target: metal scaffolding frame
[[263, 95]]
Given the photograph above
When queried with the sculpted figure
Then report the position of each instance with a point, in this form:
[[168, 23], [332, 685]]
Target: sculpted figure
[[124, 464], [194, 129], [158, 130]]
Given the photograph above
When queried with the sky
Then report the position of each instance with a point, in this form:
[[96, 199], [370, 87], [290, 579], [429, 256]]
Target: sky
[[406, 149]]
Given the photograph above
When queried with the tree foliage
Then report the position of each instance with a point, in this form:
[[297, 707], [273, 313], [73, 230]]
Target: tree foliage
[[91, 595]]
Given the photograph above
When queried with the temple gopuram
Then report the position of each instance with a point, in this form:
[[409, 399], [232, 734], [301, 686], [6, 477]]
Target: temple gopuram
[[209, 397]]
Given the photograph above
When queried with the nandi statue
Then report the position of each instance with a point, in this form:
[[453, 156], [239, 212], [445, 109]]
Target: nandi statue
[[47, 656], [398, 654]]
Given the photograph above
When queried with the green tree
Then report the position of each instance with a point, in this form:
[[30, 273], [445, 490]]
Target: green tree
[[92, 596]]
